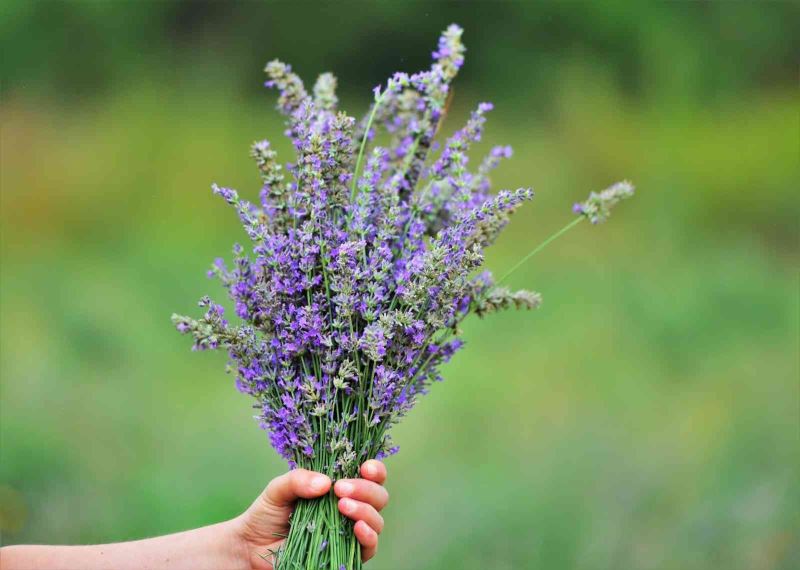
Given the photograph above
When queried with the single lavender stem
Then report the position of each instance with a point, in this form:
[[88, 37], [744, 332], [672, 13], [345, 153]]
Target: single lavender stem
[[363, 146], [540, 247]]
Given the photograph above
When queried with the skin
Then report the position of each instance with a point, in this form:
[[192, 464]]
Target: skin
[[237, 544]]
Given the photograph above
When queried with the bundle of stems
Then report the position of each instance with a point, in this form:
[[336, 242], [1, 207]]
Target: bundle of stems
[[363, 262]]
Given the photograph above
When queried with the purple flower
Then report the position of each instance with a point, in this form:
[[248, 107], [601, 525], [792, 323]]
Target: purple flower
[[227, 194], [360, 265]]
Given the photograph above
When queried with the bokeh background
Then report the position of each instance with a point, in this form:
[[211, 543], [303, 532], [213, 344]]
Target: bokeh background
[[647, 416]]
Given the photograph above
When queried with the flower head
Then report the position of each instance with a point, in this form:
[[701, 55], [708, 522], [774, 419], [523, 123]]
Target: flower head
[[597, 207]]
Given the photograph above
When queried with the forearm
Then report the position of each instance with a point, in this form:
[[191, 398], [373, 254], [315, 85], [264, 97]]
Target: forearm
[[212, 547]]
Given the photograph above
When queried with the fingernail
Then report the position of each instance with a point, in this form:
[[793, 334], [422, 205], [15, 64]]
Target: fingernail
[[370, 469], [348, 506], [319, 482], [345, 488]]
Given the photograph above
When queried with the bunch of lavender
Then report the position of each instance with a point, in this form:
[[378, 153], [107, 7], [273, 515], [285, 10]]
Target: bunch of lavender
[[362, 263]]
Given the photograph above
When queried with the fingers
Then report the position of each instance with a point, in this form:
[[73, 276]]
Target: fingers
[[374, 470], [360, 500], [359, 511], [299, 483], [362, 490], [368, 539]]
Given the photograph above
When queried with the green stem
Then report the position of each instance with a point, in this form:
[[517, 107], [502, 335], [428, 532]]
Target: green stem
[[540, 247], [303, 549], [364, 146]]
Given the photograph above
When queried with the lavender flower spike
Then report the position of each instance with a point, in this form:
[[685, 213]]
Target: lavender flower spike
[[597, 207]]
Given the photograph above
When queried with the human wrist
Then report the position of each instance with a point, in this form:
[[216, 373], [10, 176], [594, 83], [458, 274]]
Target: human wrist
[[234, 543]]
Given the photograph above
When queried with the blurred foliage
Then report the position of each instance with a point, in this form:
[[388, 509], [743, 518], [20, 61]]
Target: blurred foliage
[[645, 417], [700, 50]]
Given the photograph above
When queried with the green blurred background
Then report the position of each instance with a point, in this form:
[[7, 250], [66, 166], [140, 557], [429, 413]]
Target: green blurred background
[[645, 417]]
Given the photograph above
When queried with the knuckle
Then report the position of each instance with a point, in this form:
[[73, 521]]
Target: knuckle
[[368, 489], [367, 512], [272, 487], [269, 496], [296, 481]]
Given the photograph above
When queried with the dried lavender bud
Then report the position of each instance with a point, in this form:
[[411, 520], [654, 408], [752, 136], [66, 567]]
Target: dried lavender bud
[[501, 298], [597, 208], [289, 85], [450, 54], [325, 92]]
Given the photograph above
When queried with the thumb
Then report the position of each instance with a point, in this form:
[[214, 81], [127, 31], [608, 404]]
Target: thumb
[[296, 484]]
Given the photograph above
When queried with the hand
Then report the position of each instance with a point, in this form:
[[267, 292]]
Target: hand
[[359, 499], [237, 544]]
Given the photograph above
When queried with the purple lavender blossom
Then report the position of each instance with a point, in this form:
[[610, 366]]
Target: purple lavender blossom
[[361, 265], [353, 287]]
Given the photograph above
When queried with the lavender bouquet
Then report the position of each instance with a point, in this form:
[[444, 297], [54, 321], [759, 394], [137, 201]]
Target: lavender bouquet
[[363, 261]]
